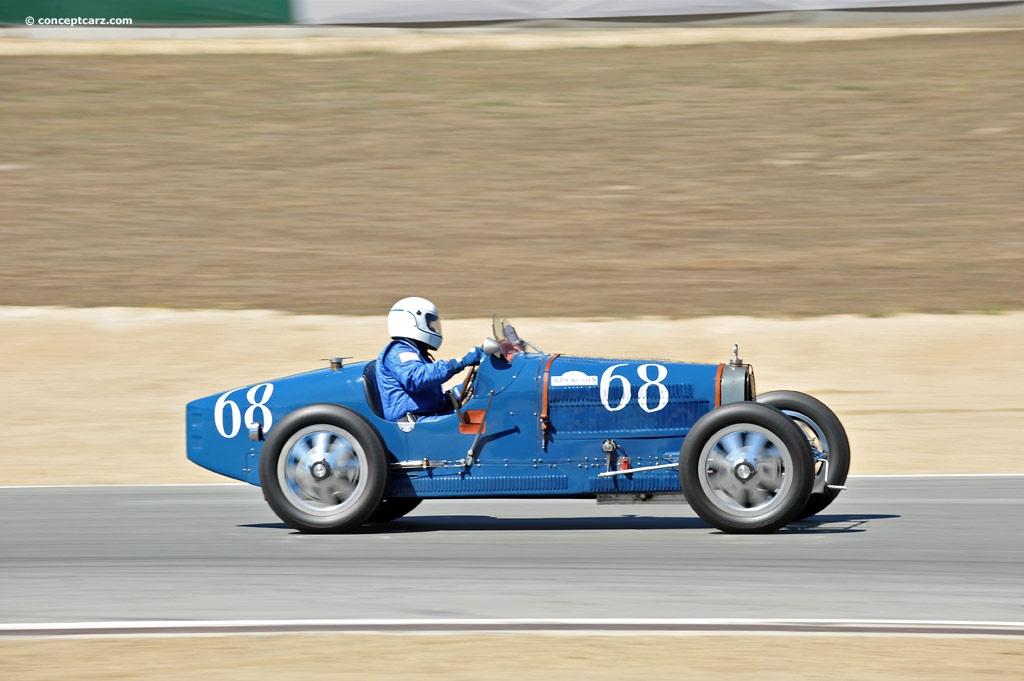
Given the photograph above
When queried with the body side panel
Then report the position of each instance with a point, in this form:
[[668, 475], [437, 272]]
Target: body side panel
[[218, 425]]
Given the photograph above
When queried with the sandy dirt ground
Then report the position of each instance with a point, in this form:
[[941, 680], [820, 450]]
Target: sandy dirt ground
[[758, 179], [512, 658], [107, 387], [419, 42]]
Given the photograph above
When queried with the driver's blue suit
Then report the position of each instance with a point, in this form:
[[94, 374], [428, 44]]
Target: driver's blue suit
[[409, 383]]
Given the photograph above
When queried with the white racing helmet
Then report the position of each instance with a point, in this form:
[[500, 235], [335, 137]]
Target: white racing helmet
[[416, 319]]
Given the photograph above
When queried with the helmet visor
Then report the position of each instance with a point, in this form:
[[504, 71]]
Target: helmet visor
[[433, 322]]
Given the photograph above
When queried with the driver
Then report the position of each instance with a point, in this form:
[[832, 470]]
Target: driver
[[409, 380]]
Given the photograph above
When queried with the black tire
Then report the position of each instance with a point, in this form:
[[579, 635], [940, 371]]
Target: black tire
[[746, 468], [393, 508], [323, 468], [826, 435]]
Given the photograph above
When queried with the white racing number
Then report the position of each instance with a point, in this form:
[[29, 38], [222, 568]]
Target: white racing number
[[229, 408], [606, 384], [643, 396]]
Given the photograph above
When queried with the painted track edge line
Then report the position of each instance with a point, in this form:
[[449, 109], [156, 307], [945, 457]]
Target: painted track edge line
[[617, 627]]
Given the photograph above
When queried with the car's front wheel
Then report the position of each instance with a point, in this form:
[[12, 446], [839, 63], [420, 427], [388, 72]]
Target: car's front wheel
[[746, 468], [323, 469]]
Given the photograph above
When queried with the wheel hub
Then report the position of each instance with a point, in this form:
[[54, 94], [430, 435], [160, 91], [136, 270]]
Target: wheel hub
[[320, 470], [743, 471]]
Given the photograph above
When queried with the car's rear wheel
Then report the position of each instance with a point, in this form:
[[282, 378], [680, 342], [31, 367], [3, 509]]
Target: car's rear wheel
[[323, 469], [746, 468], [394, 508], [828, 442]]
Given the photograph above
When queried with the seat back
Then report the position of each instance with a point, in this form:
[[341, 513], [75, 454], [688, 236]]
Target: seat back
[[370, 386]]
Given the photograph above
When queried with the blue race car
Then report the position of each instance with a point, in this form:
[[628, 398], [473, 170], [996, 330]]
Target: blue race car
[[529, 424]]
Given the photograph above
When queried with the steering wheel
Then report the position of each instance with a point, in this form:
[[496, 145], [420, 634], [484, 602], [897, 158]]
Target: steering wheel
[[467, 386], [490, 347]]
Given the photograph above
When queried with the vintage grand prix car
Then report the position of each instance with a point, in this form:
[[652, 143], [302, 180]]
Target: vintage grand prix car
[[529, 424]]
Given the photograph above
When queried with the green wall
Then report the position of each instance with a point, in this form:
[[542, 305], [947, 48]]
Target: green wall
[[152, 12]]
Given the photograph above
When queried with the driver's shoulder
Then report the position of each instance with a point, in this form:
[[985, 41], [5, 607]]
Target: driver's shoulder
[[400, 351]]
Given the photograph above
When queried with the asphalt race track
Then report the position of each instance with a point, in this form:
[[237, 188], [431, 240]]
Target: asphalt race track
[[943, 549]]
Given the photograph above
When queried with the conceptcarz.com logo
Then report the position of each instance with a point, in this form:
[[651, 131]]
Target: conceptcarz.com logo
[[78, 21]]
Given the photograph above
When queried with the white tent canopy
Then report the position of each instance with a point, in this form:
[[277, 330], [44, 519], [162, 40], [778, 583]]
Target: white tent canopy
[[418, 11]]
